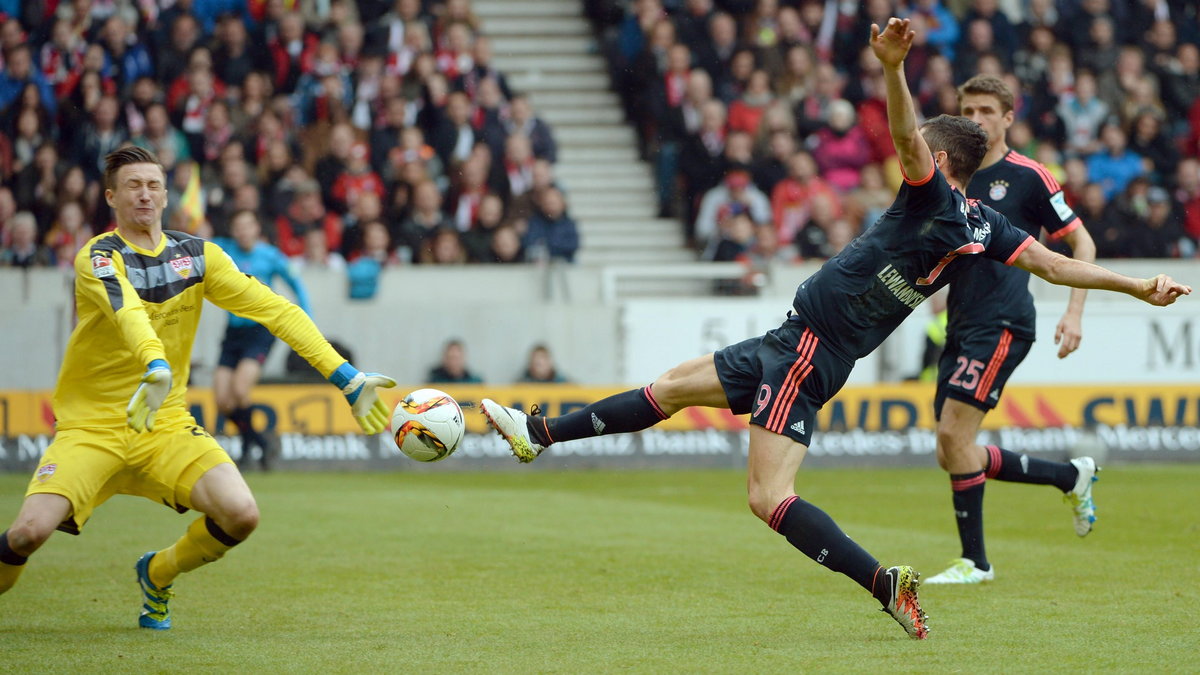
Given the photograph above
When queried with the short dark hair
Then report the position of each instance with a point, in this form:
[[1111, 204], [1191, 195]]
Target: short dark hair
[[988, 85], [964, 142], [250, 212], [130, 154]]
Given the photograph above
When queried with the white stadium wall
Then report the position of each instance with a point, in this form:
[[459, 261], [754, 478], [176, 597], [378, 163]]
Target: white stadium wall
[[1131, 393], [500, 312]]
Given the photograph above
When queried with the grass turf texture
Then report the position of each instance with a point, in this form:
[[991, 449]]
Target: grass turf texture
[[632, 571]]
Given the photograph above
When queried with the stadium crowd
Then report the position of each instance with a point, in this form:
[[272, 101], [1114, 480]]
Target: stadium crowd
[[374, 133], [767, 122], [363, 134]]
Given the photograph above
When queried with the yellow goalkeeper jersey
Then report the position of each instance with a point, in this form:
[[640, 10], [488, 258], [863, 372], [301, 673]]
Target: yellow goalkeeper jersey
[[135, 305]]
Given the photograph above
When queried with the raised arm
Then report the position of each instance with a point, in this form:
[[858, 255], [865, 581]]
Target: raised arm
[[890, 47], [1059, 269]]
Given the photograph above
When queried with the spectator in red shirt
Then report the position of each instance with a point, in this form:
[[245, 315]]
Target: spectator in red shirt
[[61, 58], [292, 52], [746, 112], [306, 212], [468, 193], [455, 58], [357, 177], [791, 200], [842, 148], [1187, 193]]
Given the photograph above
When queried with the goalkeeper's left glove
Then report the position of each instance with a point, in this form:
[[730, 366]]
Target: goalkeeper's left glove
[[359, 388], [150, 394]]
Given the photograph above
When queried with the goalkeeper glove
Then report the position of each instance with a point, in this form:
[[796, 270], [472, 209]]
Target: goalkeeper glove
[[359, 389], [150, 394]]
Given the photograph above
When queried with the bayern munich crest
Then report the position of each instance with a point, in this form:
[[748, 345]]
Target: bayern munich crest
[[998, 190]]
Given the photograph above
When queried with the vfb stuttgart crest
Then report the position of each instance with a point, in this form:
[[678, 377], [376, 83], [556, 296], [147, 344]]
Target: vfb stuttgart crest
[[45, 471], [182, 266], [998, 190]]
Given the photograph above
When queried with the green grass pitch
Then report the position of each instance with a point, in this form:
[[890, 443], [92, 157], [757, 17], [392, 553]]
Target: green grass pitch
[[654, 572]]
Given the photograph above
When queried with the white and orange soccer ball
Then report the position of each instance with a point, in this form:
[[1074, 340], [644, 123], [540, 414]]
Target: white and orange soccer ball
[[428, 425]]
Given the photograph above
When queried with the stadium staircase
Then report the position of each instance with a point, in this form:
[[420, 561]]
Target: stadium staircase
[[546, 48]]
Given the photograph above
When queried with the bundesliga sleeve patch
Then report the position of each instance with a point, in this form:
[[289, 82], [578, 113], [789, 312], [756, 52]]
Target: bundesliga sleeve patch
[[102, 267], [1059, 202]]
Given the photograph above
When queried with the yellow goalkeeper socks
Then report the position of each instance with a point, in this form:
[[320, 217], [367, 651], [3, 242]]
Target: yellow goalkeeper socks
[[11, 564], [204, 542]]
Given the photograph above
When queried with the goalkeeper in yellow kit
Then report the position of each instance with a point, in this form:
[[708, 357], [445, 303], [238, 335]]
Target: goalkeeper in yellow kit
[[138, 295]]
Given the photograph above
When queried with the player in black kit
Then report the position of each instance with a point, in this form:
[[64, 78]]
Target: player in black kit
[[991, 329], [841, 313]]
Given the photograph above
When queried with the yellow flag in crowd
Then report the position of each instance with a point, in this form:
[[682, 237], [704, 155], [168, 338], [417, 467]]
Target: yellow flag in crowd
[[192, 202]]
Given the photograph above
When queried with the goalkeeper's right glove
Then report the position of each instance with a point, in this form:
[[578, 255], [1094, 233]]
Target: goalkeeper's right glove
[[150, 394], [359, 388]]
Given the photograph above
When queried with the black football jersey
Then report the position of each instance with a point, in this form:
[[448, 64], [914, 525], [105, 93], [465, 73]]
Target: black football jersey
[[990, 294], [922, 242]]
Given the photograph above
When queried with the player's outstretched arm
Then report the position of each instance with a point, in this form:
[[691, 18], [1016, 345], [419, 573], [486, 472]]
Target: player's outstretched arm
[[370, 412], [891, 47], [1059, 269]]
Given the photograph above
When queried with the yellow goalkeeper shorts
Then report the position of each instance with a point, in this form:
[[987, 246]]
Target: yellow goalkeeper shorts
[[87, 466]]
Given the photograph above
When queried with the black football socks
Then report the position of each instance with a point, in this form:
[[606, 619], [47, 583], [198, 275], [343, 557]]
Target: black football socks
[[814, 533], [1012, 466], [968, 511], [622, 413]]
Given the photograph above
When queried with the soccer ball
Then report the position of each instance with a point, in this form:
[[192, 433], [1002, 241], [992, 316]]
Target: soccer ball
[[428, 425]]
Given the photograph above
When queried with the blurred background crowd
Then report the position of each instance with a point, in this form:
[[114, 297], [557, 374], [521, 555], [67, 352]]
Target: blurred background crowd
[[363, 134], [374, 133], [767, 123]]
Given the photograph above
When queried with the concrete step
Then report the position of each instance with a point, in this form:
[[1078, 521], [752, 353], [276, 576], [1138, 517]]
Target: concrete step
[[658, 240], [616, 177], [575, 117], [520, 64], [628, 230], [603, 154], [626, 255], [550, 47], [643, 206], [592, 193], [611, 223], [487, 9], [524, 26], [584, 170], [620, 212], [547, 100], [628, 183], [604, 136], [539, 82], [626, 202]]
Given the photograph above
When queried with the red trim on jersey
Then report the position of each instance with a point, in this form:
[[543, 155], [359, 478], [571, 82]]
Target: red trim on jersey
[[995, 459], [777, 515], [989, 375], [791, 384], [1021, 160], [1020, 249], [967, 249], [1068, 229], [926, 179], [967, 483], [650, 397]]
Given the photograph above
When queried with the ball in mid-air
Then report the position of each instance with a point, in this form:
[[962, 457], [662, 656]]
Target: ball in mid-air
[[428, 425]]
